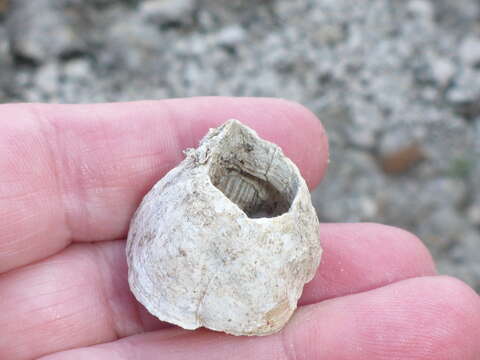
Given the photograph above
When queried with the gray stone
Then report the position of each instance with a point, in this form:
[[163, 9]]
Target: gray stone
[[168, 11], [230, 35], [5, 65], [39, 30], [366, 122], [350, 191], [398, 138], [470, 50], [77, 69], [442, 228], [47, 77], [422, 8], [473, 213], [443, 71], [453, 193]]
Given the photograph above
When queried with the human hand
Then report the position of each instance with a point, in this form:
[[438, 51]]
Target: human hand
[[72, 175]]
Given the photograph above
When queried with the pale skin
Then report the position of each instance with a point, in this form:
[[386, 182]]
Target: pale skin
[[71, 177]]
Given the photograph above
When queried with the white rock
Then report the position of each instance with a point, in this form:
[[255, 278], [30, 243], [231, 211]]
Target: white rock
[[470, 50], [77, 69], [164, 11], [47, 78], [443, 71], [231, 35], [227, 239], [42, 30], [473, 213], [423, 8]]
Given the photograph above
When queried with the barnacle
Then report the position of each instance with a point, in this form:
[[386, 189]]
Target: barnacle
[[227, 239]]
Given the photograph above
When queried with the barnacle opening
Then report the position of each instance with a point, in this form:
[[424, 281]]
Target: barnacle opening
[[252, 173]]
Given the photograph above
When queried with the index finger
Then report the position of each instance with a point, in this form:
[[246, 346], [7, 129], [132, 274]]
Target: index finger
[[77, 172]]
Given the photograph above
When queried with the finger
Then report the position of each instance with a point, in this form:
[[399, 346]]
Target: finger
[[84, 289], [423, 318], [76, 298], [364, 256], [79, 171]]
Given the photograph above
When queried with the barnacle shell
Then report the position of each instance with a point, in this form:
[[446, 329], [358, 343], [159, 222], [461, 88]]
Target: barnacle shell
[[227, 239]]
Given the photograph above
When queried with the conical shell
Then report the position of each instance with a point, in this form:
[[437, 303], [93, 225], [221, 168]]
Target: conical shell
[[227, 239]]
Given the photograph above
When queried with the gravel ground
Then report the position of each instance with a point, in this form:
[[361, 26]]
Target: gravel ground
[[396, 83]]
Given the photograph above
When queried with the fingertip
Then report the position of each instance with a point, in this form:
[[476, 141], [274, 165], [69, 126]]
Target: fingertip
[[445, 309], [404, 244], [457, 299], [398, 248], [363, 256], [420, 318]]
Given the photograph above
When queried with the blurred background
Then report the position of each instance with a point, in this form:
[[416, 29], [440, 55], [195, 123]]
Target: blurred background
[[396, 83]]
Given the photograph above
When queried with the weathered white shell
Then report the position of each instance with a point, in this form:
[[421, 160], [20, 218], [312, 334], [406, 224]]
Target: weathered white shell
[[227, 239]]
